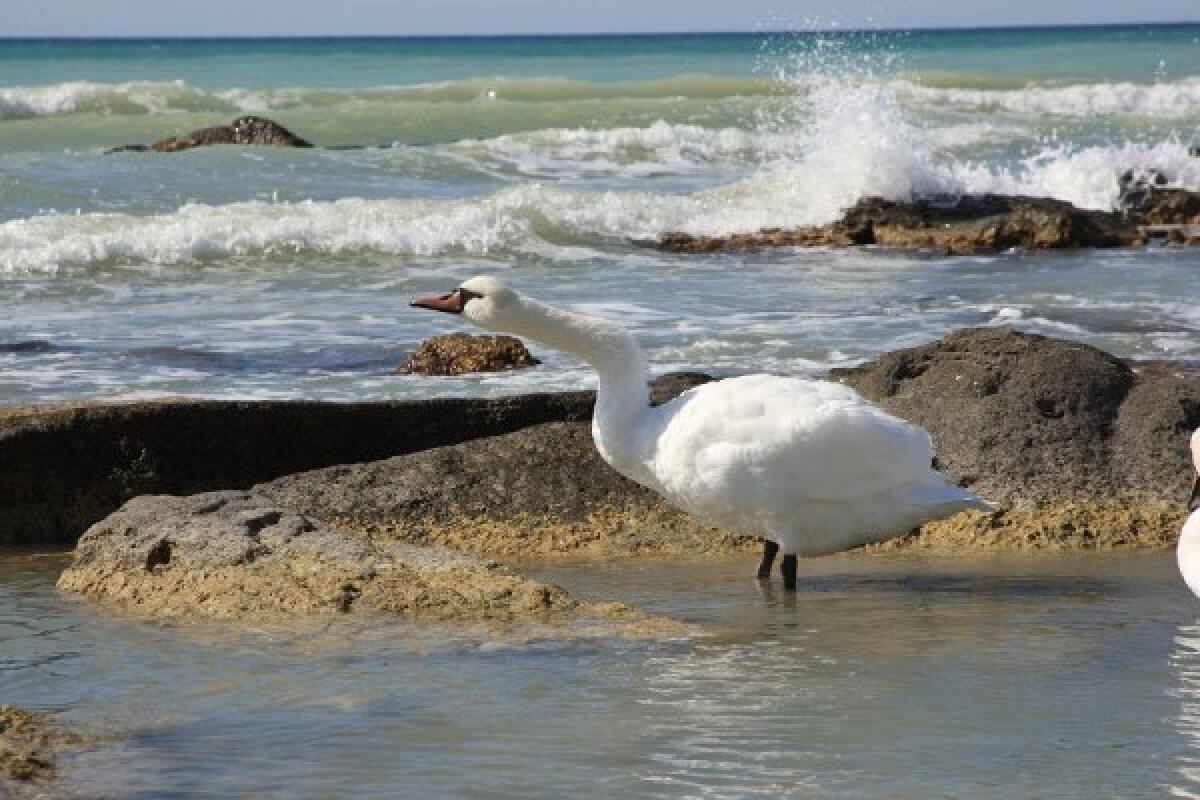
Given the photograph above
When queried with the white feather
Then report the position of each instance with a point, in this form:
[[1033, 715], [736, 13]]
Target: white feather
[[1187, 552]]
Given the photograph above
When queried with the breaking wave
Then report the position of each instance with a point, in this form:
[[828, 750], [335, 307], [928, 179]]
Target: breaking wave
[[1165, 99], [158, 97]]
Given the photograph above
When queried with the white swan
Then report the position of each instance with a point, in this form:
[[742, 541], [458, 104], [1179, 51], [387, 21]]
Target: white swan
[[1187, 552], [810, 465]]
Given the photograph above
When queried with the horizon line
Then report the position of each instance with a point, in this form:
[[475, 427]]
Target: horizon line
[[600, 34]]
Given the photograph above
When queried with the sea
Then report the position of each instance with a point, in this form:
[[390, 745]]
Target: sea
[[555, 162]]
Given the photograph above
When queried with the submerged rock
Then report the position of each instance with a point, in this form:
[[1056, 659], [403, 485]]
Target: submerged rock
[[461, 353], [245, 130], [29, 744], [230, 555]]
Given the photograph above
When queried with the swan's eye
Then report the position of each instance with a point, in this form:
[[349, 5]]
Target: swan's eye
[[467, 295]]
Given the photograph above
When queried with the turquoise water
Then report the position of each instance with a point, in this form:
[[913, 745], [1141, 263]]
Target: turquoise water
[[1085, 54], [554, 160]]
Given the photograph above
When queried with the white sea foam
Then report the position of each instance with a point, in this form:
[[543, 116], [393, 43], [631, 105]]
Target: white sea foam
[[833, 173], [152, 97], [133, 97], [654, 149], [1163, 99], [844, 141]]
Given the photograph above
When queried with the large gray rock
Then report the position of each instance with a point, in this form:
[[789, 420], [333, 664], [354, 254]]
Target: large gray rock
[[63, 468], [550, 470], [1025, 419]]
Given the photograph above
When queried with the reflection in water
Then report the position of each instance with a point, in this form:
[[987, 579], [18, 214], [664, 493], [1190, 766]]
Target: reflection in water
[[1186, 662]]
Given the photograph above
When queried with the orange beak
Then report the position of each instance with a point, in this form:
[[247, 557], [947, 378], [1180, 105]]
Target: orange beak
[[449, 303]]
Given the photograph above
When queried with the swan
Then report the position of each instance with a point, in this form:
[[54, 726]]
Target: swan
[[1187, 552], [811, 466]]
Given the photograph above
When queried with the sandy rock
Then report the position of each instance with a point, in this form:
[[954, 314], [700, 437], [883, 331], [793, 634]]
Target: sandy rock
[[1066, 526], [460, 353], [29, 742], [227, 555]]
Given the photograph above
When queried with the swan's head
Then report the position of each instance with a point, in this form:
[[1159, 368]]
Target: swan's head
[[486, 301], [1194, 500]]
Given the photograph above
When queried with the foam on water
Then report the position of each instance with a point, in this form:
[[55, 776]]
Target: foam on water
[[1164, 99], [864, 148], [159, 97]]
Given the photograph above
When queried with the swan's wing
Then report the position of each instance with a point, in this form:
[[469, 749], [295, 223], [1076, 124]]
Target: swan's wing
[[781, 441]]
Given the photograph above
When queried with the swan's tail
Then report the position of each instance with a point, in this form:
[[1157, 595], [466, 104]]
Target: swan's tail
[[957, 494], [942, 501]]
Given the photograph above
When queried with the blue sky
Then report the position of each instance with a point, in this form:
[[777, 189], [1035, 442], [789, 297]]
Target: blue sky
[[380, 17]]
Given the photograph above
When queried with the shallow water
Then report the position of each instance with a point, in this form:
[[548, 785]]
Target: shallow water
[[901, 677]]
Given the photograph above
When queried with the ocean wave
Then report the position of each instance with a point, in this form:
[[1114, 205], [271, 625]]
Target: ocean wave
[[157, 97], [533, 218], [1165, 99], [657, 149]]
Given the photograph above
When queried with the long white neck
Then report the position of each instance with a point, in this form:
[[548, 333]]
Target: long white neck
[[622, 397]]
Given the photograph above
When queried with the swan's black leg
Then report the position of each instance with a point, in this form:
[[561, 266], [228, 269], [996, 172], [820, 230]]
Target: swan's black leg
[[789, 572], [768, 559]]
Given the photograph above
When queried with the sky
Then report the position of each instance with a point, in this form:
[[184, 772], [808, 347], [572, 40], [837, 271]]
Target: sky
[[418, 17]]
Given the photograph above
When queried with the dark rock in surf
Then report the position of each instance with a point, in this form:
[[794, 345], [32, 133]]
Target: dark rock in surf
[[245, 130], [461, 353], [953, 225], [27, 347]]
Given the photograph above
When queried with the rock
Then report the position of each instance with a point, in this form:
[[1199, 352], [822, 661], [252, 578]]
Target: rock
[[1159, 206], [1027, 420], [262, 131], [1084, 452], [540, 491], [218, 134], [1133, 188], [29, 743], [25, 347], [952, 225], [229, 555], [245, 130], [460, 353], [63, 468]]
